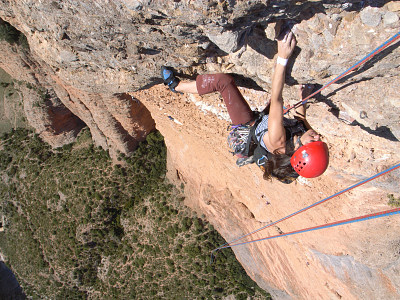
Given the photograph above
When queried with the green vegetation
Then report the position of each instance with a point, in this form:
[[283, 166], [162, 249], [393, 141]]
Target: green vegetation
[[393, 201], [11, 35], [10, 102], [78, 226]]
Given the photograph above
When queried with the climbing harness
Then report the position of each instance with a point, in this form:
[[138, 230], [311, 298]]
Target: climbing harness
[[241, 140], [238, 137], [244, 140], [355, 66], [347, 221]]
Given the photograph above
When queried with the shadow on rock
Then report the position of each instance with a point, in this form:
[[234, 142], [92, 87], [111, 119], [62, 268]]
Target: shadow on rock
[[381, 131], [246, 82], [369, 64]]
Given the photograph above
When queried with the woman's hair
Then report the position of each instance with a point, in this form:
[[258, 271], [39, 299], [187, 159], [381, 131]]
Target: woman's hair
[[278, 165]]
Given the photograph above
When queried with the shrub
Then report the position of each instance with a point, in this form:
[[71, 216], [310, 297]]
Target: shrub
[[393, 201]]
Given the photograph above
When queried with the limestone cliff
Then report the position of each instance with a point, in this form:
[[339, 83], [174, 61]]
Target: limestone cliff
[[99, 61]]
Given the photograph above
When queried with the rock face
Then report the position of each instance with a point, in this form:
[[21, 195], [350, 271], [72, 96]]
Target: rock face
[[98, 63]]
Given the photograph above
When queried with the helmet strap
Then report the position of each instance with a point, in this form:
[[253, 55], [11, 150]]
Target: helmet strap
[[298, 141]]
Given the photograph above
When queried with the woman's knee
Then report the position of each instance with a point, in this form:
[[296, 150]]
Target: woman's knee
[[224, 80]]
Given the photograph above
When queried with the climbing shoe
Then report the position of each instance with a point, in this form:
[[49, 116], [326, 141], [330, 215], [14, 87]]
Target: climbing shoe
[[169, 79]]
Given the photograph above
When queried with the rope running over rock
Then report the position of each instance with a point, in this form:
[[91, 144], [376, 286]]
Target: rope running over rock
[[355, 66], [358, 219]]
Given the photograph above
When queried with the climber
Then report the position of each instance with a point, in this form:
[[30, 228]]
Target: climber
[[284, 148]]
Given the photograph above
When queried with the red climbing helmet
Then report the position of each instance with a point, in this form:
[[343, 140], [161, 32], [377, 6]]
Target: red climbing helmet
[[311, 160]]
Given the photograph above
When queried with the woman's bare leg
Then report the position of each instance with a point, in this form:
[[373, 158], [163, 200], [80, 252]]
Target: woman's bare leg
[[187, 87]]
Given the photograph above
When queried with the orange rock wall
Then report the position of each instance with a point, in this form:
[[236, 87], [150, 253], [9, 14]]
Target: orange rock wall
[[332, 263]]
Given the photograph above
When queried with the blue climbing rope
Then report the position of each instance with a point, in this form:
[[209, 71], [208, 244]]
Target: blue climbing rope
[[313, 205], [334, 224]]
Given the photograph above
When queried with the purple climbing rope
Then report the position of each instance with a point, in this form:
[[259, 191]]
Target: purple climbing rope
[[333, 224], [315, 204], [232, 243]]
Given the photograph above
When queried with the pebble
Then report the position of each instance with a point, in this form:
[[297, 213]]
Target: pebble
[[134, 5], [228, 41], [371, 16], [336, 17], [67, 56], [390, 18]]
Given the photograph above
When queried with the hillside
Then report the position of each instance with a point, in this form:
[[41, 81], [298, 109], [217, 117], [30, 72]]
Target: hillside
[[79, 227]]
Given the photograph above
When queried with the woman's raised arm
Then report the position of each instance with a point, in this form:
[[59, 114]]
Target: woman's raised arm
[[275, 138]]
